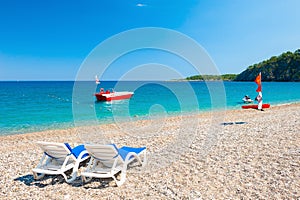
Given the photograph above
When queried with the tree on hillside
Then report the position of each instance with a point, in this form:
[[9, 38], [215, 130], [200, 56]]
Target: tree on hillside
[[285, 67]]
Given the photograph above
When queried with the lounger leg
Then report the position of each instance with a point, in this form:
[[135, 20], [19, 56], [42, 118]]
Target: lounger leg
[[70, 180], [122, 180], [144, 159], [37, 177], [86, 179], [123, 174], [65, 177], [74, 172], [91, 163], [138, 158]]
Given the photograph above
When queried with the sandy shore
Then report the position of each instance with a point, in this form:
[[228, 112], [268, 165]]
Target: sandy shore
[[236, 154]]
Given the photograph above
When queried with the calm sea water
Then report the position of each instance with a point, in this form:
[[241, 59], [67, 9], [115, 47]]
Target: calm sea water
[[35, 106]]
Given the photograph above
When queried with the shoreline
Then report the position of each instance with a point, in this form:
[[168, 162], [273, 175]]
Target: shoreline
[[254, 154], [138, 118]]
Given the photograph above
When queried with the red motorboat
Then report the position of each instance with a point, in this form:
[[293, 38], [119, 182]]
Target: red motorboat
[[112, 95], [254, 106]]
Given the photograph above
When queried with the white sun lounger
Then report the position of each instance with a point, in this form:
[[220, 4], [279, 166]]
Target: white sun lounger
[[107, 160], [59, 158]]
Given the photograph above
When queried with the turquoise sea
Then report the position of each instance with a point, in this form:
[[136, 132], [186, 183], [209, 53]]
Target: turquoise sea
[[40, 105]]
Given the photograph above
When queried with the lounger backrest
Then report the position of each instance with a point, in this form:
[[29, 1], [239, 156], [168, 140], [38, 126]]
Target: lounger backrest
[[57, 151], [107, 154]]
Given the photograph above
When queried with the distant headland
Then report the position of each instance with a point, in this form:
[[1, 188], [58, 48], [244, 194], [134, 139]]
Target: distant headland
[[285, 67]]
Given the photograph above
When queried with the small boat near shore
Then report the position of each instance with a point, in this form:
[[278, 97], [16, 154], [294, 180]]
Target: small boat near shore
[[255, 106], [247, 100], [112, 95], [257, 98]]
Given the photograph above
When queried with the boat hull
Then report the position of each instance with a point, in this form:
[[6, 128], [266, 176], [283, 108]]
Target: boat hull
[[113, 96], [247, 100], [255, 106]]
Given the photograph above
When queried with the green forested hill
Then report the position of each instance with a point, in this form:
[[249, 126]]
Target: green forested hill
[[285, 67], [225, 77]]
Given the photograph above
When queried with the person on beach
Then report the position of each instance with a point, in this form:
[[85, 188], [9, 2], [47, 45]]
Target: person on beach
[[260, 101], [101, 90], [259, 96]]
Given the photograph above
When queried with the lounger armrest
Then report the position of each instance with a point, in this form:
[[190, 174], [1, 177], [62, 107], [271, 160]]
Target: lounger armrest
[[83, 155], [129, 156]]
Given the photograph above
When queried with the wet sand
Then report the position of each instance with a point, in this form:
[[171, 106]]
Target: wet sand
[[236, 154]]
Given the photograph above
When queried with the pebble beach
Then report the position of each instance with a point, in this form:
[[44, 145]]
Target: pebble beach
[[230, 154]]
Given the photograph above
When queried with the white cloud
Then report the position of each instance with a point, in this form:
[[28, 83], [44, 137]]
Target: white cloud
[[141, 5]]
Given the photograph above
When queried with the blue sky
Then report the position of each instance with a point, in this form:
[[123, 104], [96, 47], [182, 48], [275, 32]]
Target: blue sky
[[49, 40]]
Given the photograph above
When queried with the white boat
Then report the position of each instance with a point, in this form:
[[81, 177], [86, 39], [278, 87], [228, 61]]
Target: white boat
[[97, 80], [112, 95], [247, 100]]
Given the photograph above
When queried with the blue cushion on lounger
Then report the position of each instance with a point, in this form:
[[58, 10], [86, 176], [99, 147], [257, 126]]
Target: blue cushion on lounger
[[77, 150], [125, 150]]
